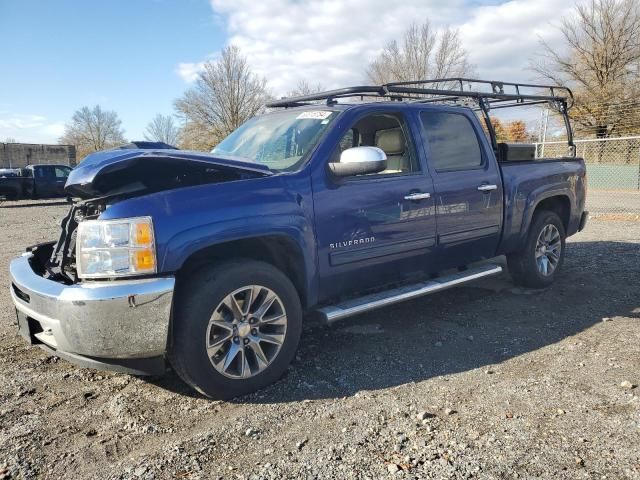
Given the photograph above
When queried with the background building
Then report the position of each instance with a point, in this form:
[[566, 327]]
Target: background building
[[17, 155]]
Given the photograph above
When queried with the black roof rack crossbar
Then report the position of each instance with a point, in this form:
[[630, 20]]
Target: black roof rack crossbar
[[329, 95], [473, 94], [496, 86]]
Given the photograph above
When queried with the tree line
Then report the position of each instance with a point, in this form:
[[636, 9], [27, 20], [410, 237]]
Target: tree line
[[599, 59]]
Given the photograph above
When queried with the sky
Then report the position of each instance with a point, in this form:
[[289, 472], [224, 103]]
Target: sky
[[137, 56]]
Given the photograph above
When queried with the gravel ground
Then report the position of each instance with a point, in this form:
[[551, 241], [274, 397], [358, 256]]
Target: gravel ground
[[484, 381]]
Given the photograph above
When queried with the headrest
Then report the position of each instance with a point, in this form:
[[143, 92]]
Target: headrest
[[391, 142]]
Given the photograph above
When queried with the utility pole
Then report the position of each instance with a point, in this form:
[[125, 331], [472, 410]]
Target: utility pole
[[545, 124]]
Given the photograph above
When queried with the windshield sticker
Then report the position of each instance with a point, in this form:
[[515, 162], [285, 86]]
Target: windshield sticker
[[314, 115]]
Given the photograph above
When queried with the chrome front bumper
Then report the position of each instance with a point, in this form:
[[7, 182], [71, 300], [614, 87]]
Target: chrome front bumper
[[123, 319]]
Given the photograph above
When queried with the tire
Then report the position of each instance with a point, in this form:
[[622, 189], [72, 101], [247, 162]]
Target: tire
[[525, 267], [206, 297]]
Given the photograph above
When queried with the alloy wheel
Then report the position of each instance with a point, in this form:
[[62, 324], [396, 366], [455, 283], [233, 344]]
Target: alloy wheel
[[548, 250], [246, 331]]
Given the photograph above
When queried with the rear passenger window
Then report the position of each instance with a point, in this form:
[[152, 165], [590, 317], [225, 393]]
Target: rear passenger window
[[452, 141]]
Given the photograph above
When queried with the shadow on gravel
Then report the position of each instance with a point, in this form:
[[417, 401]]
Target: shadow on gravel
[[36, 204], [462, 329]]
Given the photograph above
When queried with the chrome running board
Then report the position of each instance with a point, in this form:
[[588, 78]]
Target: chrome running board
[[372, 301]]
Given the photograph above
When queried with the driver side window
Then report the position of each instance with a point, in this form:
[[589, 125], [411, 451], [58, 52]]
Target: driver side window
[[388, 132]]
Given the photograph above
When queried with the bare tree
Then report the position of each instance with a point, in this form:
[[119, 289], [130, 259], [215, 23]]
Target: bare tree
[[600, 60], [92, 130], [304, 88], [10, 140], [226, 94], [423, 53], [162, 129], [194, 136]]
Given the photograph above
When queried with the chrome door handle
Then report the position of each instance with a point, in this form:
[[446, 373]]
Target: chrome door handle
[[417, 196], [487, 188]]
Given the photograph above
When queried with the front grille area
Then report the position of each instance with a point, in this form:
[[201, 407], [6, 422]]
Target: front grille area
[[61, 266]]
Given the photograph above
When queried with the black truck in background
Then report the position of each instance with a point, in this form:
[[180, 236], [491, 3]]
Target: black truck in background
[[47, 181], [33, 181]]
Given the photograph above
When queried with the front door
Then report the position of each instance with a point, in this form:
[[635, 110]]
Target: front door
[[61, 174], [378, 228], [468, 187]]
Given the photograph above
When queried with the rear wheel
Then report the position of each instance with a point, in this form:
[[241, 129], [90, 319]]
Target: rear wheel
[[236, 328], [538, 263]]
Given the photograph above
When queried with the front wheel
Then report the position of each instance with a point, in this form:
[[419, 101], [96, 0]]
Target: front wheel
[[538, 263], [236, 328]]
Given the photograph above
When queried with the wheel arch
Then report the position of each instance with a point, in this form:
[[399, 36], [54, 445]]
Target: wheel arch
[[560, 204], [278, 250]]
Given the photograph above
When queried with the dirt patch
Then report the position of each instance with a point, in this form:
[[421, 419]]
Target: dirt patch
[[617, 217]]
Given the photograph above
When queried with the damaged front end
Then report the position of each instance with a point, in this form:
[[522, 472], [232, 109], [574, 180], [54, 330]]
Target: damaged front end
[[60, 265], [102, 322], [126, 173], [105, 178]]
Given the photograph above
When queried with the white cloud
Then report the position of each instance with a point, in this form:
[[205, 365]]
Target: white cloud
[[325, 41], [331, 41], [29, 128], [21, 121], [189, 71], [54, 129], [502, 40]]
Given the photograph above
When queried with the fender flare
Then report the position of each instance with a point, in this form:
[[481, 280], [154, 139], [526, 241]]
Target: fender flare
[[538, 196]]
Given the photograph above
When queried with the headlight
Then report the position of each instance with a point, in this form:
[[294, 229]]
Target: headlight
[[114, 248]]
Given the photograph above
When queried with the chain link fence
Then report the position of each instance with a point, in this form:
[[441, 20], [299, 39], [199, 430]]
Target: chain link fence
[[613, 172]]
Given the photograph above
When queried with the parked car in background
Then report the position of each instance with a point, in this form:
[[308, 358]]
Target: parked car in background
[[47, 181], [210, 260], [34, 181]]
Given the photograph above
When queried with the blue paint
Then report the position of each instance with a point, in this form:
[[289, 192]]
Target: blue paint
[[359, 232]]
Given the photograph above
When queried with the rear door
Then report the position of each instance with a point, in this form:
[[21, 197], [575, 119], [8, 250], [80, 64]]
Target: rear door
[[467, 184], [378, 228], [42, 177]]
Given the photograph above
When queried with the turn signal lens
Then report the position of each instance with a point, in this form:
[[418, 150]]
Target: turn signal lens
[[144, 260], [142, 234]]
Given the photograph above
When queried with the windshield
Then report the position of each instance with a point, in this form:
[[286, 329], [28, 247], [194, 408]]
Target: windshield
[[281, 141]]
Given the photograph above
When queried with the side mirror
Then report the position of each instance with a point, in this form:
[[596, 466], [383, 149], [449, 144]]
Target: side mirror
[[359, 161]]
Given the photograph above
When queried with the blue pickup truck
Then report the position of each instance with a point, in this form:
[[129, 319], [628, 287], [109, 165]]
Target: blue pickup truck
[[33, 181], [210, 261]]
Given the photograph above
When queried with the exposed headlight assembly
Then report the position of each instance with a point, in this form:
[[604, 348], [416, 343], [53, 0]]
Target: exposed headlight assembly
[[115, 248]]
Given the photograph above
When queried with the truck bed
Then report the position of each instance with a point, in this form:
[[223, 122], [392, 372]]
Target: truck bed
[[13, 188]]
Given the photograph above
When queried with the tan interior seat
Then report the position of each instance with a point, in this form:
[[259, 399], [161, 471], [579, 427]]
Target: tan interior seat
[[392, 143]]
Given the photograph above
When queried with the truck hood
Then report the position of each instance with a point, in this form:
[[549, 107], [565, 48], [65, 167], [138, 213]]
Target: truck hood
[[130, 172]]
